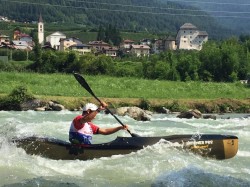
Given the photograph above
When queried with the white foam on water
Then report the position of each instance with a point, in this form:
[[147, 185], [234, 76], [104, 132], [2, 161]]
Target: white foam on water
[[142, 168], [243, 154]]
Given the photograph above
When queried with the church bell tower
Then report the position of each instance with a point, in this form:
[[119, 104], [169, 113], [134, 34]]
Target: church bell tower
[[40, 30]]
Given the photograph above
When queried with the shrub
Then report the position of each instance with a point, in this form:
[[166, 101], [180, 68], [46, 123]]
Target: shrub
[[21, 94], [15, 98], [175, 106], [144, 104], [19, 55]]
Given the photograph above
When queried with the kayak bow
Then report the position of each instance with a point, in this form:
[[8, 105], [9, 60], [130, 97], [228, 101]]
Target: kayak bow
[[207, 145]]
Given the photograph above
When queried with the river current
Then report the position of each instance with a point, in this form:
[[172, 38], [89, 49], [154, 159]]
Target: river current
[[157, 165]]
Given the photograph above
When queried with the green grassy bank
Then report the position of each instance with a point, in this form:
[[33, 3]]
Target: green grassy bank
[[121, 91]]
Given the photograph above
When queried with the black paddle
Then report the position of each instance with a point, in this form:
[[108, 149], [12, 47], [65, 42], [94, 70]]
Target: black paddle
[[85, 85]]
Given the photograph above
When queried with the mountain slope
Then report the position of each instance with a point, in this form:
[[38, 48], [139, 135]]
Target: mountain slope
[[229, 13], [133, 15]]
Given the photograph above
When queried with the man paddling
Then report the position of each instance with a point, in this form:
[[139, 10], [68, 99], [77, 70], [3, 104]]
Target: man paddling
[[82, 129]]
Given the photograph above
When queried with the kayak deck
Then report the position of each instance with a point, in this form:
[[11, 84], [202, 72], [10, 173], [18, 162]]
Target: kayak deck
[[207, 145]]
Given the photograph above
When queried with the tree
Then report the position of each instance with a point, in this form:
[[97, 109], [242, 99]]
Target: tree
[[210, 57], [173, 74], [38, 55], [116, 37], [100, 65], [110, 35], [188, 65], [71, 60], [162, 70], [85, 63], [230, 60], [101, 34]]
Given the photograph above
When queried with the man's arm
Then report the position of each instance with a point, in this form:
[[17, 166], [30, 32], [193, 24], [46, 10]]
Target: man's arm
[[107, 131]]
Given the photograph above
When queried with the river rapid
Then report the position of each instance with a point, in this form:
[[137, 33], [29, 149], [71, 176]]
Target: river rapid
[[157, 165]]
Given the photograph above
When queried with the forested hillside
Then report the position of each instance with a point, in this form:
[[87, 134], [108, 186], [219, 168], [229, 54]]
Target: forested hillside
[[230, 13], [153, 16]]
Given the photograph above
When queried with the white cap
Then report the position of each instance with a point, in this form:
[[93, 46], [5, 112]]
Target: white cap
[[90, 106]]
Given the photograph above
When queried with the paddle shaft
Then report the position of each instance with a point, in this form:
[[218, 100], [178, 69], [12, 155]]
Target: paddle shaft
[[84, 84]]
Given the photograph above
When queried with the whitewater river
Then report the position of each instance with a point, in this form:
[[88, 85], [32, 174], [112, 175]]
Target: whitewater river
[[158, 165]]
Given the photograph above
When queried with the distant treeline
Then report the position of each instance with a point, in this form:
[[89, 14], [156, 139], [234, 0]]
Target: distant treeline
[[152, 16], [225, 61]]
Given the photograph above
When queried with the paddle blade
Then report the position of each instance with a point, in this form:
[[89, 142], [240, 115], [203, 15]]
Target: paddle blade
[[134, 135], [84, 84]]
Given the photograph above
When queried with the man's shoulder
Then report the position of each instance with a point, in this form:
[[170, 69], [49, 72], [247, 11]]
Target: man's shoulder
[[78, 117]]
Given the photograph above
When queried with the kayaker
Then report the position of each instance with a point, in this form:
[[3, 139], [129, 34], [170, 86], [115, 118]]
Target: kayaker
[[82, 129]]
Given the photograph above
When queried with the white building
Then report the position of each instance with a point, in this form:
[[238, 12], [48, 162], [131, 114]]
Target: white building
[[126, 44], [40, 30], [160, 45], [4, 39], [54, 39], [110, 51], [140, 50], [80, 48], [65, 43], [22, 45], [189, 37], [169, 43]]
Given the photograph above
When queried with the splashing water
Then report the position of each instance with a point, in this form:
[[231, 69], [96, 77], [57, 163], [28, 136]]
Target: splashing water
[[157, 165]]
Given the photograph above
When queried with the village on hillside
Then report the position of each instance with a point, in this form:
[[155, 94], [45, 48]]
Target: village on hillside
[[189, 37]]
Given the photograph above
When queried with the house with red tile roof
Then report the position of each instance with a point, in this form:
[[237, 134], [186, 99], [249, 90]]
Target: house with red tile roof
[[110, 51], [97, 46], [140, 50]]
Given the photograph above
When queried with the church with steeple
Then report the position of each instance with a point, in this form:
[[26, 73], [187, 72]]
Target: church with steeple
[[40, 30]]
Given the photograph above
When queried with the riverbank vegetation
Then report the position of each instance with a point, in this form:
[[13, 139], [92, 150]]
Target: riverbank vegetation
[[123, 87], [125, 91]]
